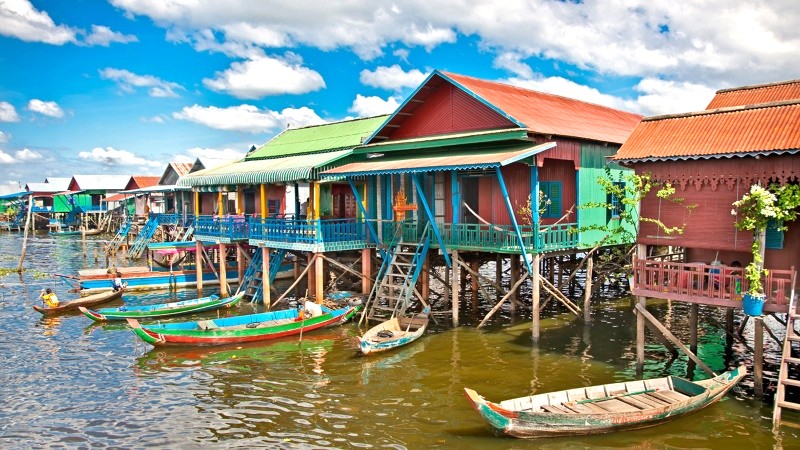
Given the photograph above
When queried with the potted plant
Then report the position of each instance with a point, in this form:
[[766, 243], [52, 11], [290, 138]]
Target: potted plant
[[755, 210]]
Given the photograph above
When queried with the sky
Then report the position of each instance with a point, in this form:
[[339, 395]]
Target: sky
[[127, 86]]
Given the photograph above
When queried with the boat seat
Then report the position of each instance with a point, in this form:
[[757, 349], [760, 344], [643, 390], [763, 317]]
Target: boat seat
[[206, 325]]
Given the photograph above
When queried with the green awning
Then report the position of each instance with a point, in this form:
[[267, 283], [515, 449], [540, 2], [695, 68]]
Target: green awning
[[265, 171]]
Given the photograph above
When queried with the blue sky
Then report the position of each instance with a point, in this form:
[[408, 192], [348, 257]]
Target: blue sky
[[126, 86]]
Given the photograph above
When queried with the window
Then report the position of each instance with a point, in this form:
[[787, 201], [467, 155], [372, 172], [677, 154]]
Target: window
[[614, 199], [774, 235], [550, 205], [273, 207]]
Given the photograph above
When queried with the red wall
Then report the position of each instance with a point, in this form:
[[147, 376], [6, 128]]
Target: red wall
[[450, 110]]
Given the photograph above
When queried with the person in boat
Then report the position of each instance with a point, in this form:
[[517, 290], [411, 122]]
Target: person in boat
[[49, 298], [117, 283]]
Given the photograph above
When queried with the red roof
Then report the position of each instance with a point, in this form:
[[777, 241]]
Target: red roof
[[765, 128], [552, 114], [142, 181], [753, 95]]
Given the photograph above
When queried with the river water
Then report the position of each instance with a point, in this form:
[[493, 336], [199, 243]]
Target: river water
[[68, 382]]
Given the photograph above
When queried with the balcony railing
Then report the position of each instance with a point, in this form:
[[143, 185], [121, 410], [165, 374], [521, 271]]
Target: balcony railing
[[224, 229], [305, 233], [502, 238], [706, 284]]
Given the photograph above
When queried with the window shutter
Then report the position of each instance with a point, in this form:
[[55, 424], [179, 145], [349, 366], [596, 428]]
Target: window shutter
[[774, 236]]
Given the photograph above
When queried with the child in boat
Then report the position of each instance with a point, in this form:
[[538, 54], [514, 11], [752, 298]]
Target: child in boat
[[116, 283], [49, 297]]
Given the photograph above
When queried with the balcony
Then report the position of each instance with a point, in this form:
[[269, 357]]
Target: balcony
[[503, 239], [706, 284], [320, 235], [221, 230]]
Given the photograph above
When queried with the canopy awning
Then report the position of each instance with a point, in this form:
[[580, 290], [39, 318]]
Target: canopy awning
[[263, 171], [459, 160], [15, 195], [157, 188]]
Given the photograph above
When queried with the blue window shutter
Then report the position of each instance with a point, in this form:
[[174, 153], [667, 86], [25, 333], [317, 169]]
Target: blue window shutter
[[774, 235], [552, 192]]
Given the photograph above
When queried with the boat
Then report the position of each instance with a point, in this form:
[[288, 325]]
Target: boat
[[240, 329], [143, 278], [160, 310], [393, 333], [603, 408], [90, 232], [91, 300]]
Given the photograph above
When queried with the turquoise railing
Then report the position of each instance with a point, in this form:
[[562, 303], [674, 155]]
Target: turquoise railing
[[469, 236], [304, 231], [562, 236], [234, 228]]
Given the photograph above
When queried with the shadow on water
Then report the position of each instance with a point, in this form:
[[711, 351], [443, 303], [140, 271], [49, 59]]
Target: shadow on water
[[70, 382]]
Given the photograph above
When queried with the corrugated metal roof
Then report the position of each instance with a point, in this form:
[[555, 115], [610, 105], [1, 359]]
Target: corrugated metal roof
[[62, 184], [44, 188], [552, 114], [462, 160], [318, 138], [755, 94], [765, 128], [100, 182], [141, 181], [261, 171], [181, 168]]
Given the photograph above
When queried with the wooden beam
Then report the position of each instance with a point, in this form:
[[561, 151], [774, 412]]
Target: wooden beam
[[561, 297], [758, 357], [644, 313], [297, 279], [503, 300], [265, 284], [536, 284], [587, 292], [477, 275], [455, 287]]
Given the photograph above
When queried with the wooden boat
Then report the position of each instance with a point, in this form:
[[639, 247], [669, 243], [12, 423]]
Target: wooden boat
[[163, 309], [603, 408], [239, 329], [393, 333], [90, 232], [142, 278], [91, 300]]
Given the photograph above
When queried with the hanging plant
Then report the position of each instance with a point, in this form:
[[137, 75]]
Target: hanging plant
[[754, 211]]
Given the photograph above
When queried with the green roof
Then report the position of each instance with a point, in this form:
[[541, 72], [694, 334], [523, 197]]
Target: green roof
[[319, 138], [263, 171]]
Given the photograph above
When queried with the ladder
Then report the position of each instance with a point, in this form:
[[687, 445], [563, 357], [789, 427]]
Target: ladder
[[252, 283], [116, 242], [787, 360], [397, 278], [143, 238]]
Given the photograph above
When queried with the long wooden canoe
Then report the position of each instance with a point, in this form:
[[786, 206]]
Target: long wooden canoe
[[163, 309], [393, 333], [603, 408], [239, 329], [91, 300]]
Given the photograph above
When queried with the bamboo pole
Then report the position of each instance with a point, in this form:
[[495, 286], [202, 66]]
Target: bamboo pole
[[297, 280], [503, 300], [25, 234], [587, 293]]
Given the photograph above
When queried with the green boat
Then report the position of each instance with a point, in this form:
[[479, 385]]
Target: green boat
[[163, 309], [603, 408]]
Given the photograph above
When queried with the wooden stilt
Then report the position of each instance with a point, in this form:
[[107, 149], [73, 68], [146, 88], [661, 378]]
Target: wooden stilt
[[266, 293], [514, 260], [311, 270], [587, 292], [198, 264], [758, 357], [498, 272], [536, 284], [296, 274], [426, 276], [241, 259], [502, 300], [641, 252], [474, 266], [223, 271], [320, 282], [693, 308], [729, 327], [448, 290], [456, 284]]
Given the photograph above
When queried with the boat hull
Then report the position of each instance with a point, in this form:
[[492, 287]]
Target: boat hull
[[163, 310], [524, 424], [151, 280], [234, 330], [73, 305], [396, 333]]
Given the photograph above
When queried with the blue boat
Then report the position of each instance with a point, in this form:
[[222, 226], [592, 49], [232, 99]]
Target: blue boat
[[163, 309]]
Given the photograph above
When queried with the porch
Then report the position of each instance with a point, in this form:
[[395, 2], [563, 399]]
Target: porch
[[311, 235], [706, 284], [221, 230]]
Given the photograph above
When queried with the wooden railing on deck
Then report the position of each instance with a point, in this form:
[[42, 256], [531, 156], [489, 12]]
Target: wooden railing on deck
[[705, 283]]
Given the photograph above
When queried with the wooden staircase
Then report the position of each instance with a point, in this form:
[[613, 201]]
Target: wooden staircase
[[116, 242], [788, 360], [253, 281], [397, 278]]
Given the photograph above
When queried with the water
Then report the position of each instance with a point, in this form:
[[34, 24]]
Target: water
[[69, 382]]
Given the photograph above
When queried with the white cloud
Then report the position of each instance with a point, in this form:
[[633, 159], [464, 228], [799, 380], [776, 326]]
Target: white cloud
[[50, 109], [393, 78], [104, 37], [4, 137], [402, 53], [8, 113], [129, 82], [19, 19], [257, 78], [668, 97], [373, 106], [112, 157], [211, 157], [154, 119], [28, 155], [5, 158], [511, 62], [247, 118]]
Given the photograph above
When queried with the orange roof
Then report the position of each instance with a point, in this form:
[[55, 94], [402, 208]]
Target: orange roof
[[181, 168], [552, 114], [755, 94], [769, 127], [116, 198], [143, 181]]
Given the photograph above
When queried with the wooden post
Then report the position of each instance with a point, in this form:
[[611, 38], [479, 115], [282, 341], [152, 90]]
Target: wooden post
[[641, 252], [311, 271], [426, 277], [498, 273], [758, 357], [455, 285], [25, 233], [729, 328], [448, 284], [475, 266], [514, 260], [296, 275], [366, 270], [266, 286], [587, 293], [220, 204], [693, 327], [240, 259], [223, 271], [263, 200], [535, 285], [198, 266], [320, 286]]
